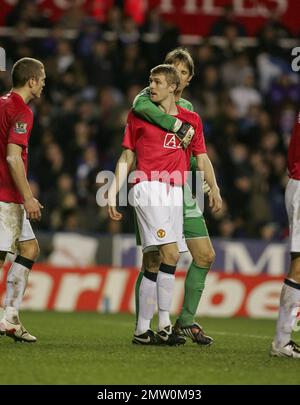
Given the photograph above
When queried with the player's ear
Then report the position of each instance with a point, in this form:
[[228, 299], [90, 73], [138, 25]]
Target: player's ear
[[31, 82], [173, 87]]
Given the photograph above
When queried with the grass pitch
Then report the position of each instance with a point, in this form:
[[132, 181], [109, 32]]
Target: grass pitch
[[92, 348]]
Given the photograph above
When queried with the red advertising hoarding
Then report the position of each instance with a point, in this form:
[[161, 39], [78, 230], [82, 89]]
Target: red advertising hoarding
[[111, 289], [191, 16], [198, 16]]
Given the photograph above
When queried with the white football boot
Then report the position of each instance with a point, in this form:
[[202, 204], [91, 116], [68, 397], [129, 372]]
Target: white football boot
[[2, 327], [291, 349], [16, 331]]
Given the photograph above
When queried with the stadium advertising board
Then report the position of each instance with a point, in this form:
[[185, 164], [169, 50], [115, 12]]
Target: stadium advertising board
[[247, 257], [111, 289], [198, 16], [191, 16]]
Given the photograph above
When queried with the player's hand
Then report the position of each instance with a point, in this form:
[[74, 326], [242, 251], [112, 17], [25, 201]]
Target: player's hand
[[215, 200], [114, 214], [185, 134], [33, 209]]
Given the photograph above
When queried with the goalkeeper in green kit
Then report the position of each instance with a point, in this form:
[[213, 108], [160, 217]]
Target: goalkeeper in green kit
[[195, 230]]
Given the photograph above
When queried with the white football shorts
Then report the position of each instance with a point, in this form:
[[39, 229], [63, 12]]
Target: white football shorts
[[159, 214], [14, 226], [292, 202]]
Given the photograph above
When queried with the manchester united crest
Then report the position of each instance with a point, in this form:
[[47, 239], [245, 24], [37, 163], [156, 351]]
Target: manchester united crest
[[161, 233]]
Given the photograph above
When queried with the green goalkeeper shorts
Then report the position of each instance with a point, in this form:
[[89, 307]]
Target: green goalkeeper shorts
[[193, 221], [195, 227]]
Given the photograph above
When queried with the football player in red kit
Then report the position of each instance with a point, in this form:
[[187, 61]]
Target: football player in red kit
[[17, 204], [289, 308]]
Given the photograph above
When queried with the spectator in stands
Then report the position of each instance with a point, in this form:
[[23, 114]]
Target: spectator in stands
[[151, 32], [227, 19], [285, 90], [73, 16], [245, 95], [28, 12], [86, 101], [234, 70]]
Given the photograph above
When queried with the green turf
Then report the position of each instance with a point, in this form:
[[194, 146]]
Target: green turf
[[91, 348]]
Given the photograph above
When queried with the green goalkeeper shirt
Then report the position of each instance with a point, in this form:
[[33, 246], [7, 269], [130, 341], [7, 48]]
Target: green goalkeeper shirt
[[149, 111]]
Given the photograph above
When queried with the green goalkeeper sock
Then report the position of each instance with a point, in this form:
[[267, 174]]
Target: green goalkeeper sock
[[137, 294], [193, 289]]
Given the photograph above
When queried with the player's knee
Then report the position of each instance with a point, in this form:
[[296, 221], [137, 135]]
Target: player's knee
[[2, 258], [295, 267], [151, 261], [297, 277], [205, 258], [170, 258], [295, 274], [30, 249]]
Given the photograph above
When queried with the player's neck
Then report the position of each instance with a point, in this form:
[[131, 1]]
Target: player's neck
[[23, 93], [178, 95], [169, 106]]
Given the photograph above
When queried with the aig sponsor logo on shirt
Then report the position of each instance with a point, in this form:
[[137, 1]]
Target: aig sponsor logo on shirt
[[171, 142]]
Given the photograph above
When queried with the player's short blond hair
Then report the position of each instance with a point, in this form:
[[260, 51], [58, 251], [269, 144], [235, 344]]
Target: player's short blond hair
[[169, 71], [181, 55], [25, 69]]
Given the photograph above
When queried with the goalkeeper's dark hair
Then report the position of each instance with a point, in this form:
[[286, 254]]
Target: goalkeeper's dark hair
[[181, 55], [25, 69], [172, 76]]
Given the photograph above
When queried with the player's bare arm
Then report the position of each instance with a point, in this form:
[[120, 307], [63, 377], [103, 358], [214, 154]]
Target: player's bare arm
[[204, 165], [17, 170], [127, 159]]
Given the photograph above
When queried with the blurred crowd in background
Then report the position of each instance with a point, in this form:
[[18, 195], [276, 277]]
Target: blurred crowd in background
[[247, 98]]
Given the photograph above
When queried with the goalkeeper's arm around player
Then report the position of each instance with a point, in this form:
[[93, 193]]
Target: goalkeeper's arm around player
[[205, 166], [149, 111]]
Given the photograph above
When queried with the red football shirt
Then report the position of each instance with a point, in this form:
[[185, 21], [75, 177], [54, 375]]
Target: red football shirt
[[159, 155], [16, 121], [294, 151]]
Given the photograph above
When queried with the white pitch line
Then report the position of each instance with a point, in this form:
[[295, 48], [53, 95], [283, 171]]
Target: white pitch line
[[243, 335]]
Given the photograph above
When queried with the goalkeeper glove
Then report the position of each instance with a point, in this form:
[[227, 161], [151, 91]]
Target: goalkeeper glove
[[184, 132]]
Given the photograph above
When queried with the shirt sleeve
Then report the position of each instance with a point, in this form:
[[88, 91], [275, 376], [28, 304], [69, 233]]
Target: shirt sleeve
[[129, 139], [20, 129], [190, 106], [198, 142], [185, 104]]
